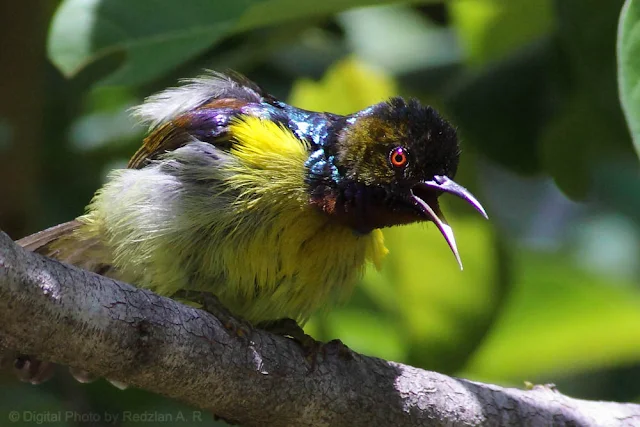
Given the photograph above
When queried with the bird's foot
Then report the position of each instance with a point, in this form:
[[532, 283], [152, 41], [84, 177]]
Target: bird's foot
[[311, 347], [290, 328], [32, 370], [338, 348], [211, 304]]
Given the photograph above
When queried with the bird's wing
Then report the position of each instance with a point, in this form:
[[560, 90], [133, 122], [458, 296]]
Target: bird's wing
[[199, 109], [40, 242], [61, 243]]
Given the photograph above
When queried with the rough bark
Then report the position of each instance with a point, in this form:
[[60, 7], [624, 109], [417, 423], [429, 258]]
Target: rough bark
[[87, 321]]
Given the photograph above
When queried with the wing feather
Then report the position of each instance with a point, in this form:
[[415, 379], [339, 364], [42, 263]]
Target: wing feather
[[172, 124], [194, 93], [174, 115], [58, 242], [39, 242]]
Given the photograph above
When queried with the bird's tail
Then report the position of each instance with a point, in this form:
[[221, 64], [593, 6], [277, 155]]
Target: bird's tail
[[61, 242], [41, 242]]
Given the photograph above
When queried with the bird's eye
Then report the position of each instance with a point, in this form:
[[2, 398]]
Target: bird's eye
[[398, 157]]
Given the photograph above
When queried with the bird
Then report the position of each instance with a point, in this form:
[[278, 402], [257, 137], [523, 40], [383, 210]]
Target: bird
[[274, 210]]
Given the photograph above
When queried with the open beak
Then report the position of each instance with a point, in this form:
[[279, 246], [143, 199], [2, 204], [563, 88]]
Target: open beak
[[429, 205]]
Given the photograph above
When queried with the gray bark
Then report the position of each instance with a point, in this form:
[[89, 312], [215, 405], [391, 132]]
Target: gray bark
[[66, 315]]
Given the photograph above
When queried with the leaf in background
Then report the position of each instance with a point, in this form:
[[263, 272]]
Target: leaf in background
[[501, 109], [617, 186], [589, 128], [567, 141], [159, 35], [587, 37], [368, 332], [559, 319], [270, 12], [155, 35], [347, 86], [399, 39], [491, 29], [444, 312], [629, 66]]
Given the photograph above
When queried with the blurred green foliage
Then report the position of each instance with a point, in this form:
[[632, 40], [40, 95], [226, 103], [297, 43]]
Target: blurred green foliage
[[550, 290], [629, 66]]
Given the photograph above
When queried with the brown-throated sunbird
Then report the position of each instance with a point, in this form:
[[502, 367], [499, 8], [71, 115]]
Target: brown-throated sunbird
[[273, 209]]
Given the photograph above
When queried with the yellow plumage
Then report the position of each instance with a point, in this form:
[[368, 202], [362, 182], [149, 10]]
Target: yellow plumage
[[316, 258], [261, 247]]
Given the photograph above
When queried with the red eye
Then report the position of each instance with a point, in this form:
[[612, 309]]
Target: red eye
[[398, 157]]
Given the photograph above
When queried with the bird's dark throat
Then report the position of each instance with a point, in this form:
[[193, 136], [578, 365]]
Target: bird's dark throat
[[364, 209]]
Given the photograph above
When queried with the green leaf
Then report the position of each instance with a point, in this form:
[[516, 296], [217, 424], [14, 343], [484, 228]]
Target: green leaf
[[158, 35], [155, 35], [367, 332], [270, 12], [587, 36], [617, 186], [589, 127], [348, 86], [559, 319], [502, 109], [568, 140], [629, 66], [491, 29], [399, 39]]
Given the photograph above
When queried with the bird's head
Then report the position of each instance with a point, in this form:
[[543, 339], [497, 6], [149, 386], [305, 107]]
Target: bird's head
[[388, 165]]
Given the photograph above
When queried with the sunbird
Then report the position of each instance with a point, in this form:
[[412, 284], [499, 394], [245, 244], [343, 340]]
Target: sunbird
[[273, 209]]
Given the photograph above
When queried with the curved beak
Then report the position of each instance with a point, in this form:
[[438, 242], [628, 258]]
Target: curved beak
[[429, 205]]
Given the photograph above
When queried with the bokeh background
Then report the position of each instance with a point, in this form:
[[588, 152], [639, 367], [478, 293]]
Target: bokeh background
[[550, 292]]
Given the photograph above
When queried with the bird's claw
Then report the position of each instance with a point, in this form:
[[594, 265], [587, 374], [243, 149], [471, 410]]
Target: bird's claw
[[311, 347], [32, 370], [211, 304]]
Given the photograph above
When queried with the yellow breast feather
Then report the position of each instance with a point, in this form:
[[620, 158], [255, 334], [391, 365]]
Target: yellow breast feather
[[308, 257]]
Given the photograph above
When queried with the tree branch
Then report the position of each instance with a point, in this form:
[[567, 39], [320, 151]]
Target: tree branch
[[63, 314]]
